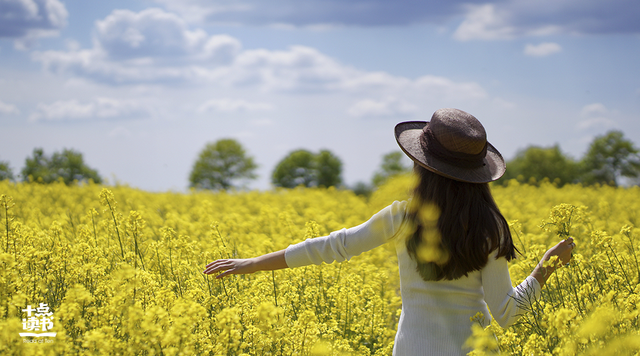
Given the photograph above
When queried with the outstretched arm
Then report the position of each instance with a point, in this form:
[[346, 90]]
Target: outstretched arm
[[507, 303], [338, 246], [268, 262]]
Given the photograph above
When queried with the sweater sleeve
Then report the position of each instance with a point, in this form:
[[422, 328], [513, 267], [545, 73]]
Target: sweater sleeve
[[506, 303], [343, 244]]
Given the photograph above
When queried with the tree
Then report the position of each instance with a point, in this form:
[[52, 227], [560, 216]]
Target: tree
[[302, 167], [362, 189], [329, 169], [221, 165], [37, 167], [391, 165], [5, 171], [534, 164], [67, 165], [610, 157], [295, 169]]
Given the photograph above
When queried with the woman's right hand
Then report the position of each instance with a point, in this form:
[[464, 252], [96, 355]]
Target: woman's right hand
[[230, 266], [269, 262]]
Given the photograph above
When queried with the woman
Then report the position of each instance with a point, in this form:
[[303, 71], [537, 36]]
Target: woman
[[452, 242]]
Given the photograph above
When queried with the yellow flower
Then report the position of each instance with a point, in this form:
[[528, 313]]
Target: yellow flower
[[121, 285]]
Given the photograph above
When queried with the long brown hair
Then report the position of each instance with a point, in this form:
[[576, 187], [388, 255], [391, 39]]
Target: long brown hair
[[469, 227]]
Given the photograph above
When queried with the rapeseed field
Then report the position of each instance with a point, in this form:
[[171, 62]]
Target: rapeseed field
[[118, 271]]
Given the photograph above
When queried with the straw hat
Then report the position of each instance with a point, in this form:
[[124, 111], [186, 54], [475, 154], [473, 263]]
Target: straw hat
[[453, 144]]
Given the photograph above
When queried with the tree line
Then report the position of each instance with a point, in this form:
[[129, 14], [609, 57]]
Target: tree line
[[67, 166], [609, 158], [225, 164]]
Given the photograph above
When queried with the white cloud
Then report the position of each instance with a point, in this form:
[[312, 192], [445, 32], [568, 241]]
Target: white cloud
[[374, 81], [595, 116], [232, 105], [94, 64], [312, 13], [8, 109], [593, 109], [441, 87], [542, 50], [491, 20], [484, 22], [156, 47], [523, 18], [299, 69], [388, 107], [198, 10], [27, 20], [154, 33], [146, 47], [71, 110]]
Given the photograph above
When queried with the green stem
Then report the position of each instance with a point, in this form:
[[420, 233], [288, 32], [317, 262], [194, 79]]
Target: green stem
[[633, 252], [630, 287], [115, 223]]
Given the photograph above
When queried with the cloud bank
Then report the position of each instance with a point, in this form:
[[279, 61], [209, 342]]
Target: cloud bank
[[157, 47], [27, 20], [480, 19]]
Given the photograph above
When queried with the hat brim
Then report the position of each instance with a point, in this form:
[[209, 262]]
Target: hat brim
[[408, 137]]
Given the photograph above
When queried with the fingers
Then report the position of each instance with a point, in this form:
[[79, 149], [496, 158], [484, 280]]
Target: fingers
[[563, 251], [570, 245], [569, 242], [217, 266]]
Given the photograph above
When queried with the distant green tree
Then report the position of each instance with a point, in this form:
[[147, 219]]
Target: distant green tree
[[297, 168], [329, 168], [222, 165], [391, 165], [37, 167], [609, 158], [5, 171], [362, 189], [533, 164], [67, 165], [302, 167]]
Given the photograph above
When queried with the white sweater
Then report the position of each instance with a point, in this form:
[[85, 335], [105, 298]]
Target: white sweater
[[435, 317]]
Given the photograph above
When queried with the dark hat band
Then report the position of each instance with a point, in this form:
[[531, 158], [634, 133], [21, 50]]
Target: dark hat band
[[430, 144]]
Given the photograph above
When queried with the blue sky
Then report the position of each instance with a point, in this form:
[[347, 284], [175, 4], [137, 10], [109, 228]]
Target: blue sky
[[140, 87]]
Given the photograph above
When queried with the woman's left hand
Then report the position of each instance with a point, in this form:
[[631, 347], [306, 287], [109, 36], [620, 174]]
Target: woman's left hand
[[563, 250]]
